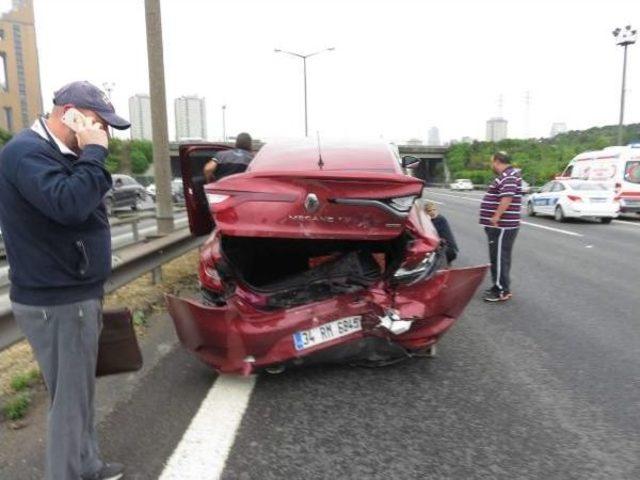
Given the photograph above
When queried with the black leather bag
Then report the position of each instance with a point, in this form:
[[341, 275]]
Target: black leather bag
[[118, 349]]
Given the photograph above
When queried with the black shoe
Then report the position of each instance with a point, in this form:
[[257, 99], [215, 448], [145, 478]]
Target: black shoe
[[109, 471], [490, 290], [497, 296]]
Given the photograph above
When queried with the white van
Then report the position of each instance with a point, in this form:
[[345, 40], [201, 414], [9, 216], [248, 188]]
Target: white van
[[618, 167]]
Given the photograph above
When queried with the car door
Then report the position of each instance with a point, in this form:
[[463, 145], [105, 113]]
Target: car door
[[193, 158], [558, 190], [541, 199]]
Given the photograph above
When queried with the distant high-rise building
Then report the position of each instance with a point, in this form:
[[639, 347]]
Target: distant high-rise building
[[191, 118], [496, 129], [466, 140], [414, 141], [140, 117], [434, 136], [558, 127], [20, 95]]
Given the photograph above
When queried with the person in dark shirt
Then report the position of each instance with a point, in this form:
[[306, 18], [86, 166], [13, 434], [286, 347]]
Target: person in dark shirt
[[229, 162], [56, 232], [444, 231]]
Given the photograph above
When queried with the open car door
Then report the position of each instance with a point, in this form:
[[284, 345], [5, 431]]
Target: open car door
[[193, 158]]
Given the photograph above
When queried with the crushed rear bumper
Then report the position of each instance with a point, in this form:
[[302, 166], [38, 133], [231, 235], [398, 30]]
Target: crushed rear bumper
[[237, 338]]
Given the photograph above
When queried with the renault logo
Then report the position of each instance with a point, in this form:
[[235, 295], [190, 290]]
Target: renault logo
[[311, 203]]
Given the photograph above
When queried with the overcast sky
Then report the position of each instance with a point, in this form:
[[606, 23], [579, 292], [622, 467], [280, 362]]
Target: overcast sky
[[399, 68]]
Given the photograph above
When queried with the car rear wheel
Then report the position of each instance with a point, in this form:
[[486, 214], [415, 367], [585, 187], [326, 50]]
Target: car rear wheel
[[530, 211], [606, 220], [559, 214]]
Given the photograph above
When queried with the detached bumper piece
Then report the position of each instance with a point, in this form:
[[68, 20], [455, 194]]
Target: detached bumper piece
[[374, 324]]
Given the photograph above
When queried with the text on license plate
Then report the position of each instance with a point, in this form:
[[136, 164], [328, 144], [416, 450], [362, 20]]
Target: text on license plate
[[329, 331]]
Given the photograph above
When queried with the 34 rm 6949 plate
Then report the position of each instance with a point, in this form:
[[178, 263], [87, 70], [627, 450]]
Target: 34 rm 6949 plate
[[325, 333]]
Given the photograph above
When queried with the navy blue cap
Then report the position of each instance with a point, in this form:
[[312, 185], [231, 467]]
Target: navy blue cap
[[86, 95]]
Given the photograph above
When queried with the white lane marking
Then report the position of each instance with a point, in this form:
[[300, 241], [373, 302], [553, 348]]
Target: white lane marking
[[471, 199], [544, 227], [627, 222], [204, 448], [558, 230]]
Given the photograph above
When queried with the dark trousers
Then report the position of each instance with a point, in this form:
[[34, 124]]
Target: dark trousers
[[501, 242]]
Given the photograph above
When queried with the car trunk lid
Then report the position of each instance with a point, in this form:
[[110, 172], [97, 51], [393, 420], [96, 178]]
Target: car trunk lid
[[320, 204]]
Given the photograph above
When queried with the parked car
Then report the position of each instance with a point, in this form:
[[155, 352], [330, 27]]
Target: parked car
[[177, 191], [574, 199], [125, 193], [315, 258], [462, 184]]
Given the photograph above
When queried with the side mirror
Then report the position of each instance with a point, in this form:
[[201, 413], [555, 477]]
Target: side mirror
[[409, 161]]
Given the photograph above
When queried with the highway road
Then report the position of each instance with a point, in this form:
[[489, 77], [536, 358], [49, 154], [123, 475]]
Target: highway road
[[546, 386]]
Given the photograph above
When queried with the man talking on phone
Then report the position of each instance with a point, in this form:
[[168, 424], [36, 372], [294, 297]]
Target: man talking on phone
[[58, 244]]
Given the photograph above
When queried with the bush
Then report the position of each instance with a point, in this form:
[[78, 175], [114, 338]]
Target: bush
[[112, 164], [139, 163], [23, 381], [16, 407]]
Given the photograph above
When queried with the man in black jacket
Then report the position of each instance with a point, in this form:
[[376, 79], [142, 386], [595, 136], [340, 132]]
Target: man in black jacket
[[58, 242], [231, 161]]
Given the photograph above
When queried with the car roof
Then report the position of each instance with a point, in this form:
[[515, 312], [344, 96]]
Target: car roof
[[336, 156]]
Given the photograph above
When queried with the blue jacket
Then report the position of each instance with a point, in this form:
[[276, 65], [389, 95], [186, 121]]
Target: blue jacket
[[55, 226]]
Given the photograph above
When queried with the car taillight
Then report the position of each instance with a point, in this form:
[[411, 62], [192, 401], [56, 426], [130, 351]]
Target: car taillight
[[212, 273], [420, 271], [574, 198], [402, 204], [215, 198]]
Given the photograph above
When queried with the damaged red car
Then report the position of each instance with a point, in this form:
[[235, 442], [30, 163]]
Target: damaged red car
[[315, 256]]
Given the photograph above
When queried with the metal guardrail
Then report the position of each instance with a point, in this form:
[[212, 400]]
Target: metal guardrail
[[131, 263]]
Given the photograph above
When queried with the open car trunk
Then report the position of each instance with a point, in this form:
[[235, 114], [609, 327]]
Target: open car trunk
[[282, 273]]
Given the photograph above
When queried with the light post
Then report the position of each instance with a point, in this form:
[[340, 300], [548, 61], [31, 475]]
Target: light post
[[624, 37], [304, 68], [108, 88], [224, 128]]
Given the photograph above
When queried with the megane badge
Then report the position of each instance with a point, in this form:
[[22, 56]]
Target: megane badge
[[311, 203]]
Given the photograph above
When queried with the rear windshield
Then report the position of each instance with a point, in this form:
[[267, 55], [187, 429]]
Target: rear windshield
[[632, 171], [587, 186]]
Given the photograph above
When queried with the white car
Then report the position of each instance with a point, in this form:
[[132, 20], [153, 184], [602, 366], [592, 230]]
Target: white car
[[574, 199], [462, 184]]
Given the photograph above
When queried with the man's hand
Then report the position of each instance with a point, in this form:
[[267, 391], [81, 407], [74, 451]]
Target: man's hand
[[92, 134], [208, 170]]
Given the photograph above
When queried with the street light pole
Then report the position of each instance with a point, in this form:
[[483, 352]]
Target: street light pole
[[624, 38], [224, 127], [304, 70], [161, 155]]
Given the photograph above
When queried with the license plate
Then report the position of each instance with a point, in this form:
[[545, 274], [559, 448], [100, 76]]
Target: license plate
[[325, 333], [598, 200]]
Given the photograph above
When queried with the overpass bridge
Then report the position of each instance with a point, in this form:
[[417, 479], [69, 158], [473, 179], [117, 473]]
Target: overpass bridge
[[432, 168]]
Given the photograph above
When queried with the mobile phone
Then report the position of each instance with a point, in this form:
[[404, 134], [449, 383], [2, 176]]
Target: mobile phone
[[73, 119]]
